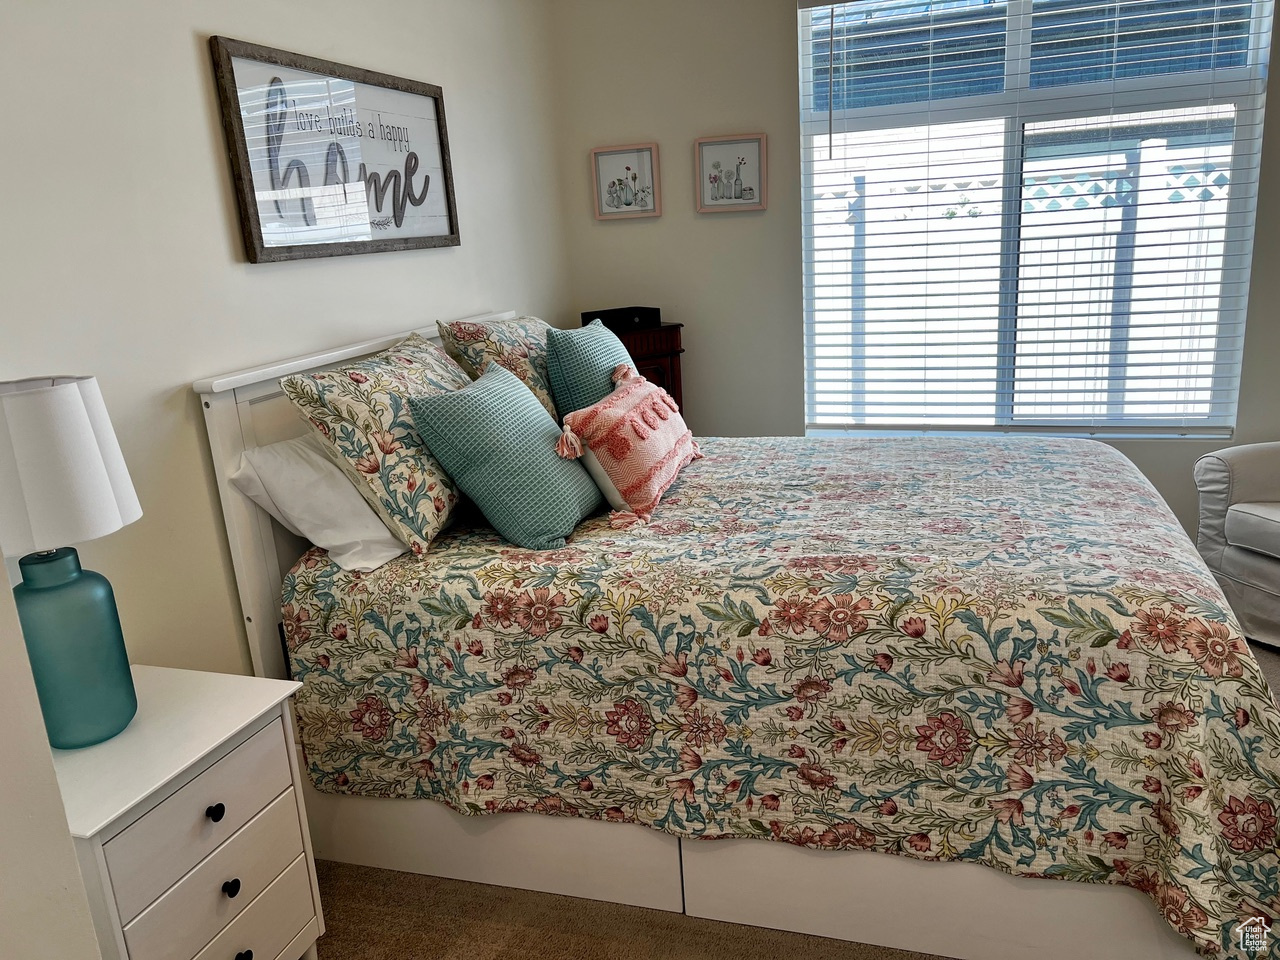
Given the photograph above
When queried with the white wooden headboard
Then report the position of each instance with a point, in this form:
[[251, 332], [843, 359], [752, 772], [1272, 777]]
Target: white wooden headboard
[[247, 409]]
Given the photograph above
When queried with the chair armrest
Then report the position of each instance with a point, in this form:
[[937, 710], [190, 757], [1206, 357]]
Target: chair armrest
[[1251, 473], [1243, 474]]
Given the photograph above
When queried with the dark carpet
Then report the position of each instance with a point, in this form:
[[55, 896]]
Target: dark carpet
[[376, 914]]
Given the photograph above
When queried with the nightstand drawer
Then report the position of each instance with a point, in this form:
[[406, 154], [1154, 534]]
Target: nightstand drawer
[[270, 923], [147, 857], [191, 912]]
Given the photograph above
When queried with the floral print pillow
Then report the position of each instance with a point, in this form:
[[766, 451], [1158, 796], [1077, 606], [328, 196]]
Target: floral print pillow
[[518, 345], [362, 414]]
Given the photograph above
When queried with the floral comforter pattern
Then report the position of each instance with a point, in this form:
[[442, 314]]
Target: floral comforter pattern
[[1004, 651]]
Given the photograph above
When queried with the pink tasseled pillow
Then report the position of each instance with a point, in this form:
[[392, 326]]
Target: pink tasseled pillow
[[638, 437]]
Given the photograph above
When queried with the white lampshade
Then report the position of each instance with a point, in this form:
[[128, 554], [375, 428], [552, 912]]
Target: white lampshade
[[62, 477]]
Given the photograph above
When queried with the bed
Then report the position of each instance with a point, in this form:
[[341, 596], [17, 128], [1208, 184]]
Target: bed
[[1004, 653]]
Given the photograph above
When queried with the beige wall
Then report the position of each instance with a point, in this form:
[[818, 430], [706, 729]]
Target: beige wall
[[696, 68], [707, 67], [122, 256], [43, 911]]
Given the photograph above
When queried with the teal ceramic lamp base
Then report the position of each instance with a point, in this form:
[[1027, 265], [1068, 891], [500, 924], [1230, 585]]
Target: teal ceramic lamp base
[[72, 631]]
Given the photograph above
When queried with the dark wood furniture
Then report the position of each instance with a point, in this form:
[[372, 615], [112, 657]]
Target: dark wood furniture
[[656, 352]]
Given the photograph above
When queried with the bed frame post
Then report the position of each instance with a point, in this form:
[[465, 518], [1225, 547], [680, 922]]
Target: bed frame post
[[253, 555]]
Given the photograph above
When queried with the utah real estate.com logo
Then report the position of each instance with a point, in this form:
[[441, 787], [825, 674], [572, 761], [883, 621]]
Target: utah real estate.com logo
[[1252, 934]]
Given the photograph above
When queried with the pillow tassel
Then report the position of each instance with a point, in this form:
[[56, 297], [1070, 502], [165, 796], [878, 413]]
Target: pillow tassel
[[569, 446], [622, 372]]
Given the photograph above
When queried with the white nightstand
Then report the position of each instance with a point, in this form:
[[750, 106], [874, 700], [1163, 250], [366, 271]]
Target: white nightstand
[[190, 826]]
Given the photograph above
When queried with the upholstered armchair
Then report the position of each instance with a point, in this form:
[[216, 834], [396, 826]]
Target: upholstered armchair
[[1239, 535]]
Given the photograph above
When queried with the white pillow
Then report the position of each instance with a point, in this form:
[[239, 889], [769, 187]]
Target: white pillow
[[297, 483], [603, 481]]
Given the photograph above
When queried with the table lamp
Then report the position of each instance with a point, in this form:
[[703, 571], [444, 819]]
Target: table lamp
[[63, 480]]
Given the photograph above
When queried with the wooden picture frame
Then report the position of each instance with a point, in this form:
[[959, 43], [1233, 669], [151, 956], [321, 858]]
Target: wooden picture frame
[[625, 182], [748, 189], [336, 160]]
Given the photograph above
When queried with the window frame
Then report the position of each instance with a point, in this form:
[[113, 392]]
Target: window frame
[[1019, 104]]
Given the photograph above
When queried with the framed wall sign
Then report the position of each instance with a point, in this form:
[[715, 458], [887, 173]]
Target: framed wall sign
[[733, 173], [330, 160], [625, 180]]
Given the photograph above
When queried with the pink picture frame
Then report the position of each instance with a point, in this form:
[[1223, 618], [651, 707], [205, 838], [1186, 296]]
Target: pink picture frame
[[625, 182], [731, 173]]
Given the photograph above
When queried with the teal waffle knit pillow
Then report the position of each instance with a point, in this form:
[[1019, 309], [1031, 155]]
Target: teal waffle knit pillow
[[580, 364], [498, 443]]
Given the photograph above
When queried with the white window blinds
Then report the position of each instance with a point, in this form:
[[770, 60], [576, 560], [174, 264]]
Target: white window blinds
[[1029, 214]]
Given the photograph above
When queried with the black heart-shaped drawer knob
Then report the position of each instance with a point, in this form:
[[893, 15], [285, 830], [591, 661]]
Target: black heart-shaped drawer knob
[[232, 888], [244, 955], [216, 812]]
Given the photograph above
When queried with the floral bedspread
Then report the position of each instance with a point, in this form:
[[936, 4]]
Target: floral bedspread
[[1001, 651]]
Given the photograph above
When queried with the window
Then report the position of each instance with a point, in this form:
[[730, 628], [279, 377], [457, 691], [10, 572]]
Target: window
[[1029, 215]]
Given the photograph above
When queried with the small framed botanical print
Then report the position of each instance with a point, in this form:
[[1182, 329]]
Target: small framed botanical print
[[732, 173], [625, 180]]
